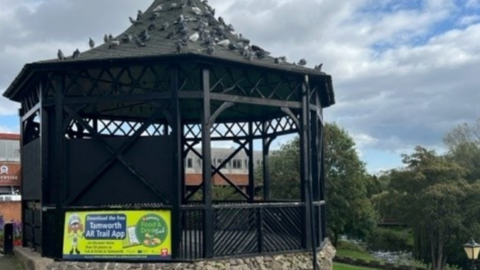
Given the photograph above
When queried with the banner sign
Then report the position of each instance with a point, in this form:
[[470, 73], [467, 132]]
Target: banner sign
[[124, 235]]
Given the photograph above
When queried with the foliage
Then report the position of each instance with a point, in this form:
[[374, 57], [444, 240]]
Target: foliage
[[463, 143], [387, 239], [429, 195], [220, 193], [349, 209]]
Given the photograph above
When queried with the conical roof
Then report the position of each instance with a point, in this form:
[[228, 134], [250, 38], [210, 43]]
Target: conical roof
[[169, 23], [174, 28]]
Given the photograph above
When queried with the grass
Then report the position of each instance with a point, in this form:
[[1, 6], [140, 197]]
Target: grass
[[355, 254], [341, 266]]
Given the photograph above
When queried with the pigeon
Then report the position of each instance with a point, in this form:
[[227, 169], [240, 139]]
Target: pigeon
[[127, 38], [230, 28], [197, 11], [139, 15], [319, 67], [110, 37], [232, 46], [60, 55], [76, 53], [210, 49], [91, 43], [280, 60], [139, 42], [158, 8], [164, 26], [134, 22], [225, 42], [152, 26], [178, 46], [259, 52], [145, 36], [154, 16], [302, 62], [113, 44], [105, 38], [220, 19], [170, 35], [194, 37]]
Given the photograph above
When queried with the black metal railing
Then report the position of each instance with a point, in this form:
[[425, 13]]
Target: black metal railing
[[244, 229], [191, 246]]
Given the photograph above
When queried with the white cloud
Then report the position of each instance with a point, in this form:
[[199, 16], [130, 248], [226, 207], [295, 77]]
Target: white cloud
[[400, 79]]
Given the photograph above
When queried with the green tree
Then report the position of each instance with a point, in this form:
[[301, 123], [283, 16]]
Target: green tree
[[349, 210], [429, 195], [463, 144]]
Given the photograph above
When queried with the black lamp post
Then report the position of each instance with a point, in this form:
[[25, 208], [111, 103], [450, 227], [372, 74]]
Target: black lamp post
[[472, 248]]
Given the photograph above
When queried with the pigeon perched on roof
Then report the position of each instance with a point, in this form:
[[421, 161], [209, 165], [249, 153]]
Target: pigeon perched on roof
[[158, 8], [91, 43], [194, 37], [60, 55], [113, 44], [76, 53], [319, 67], [302, 62]]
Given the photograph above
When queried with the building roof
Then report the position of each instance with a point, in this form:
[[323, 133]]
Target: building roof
[[9, 136], [168, 24]]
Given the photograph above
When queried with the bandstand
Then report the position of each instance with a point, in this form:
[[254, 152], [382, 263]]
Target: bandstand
[[106, 132]]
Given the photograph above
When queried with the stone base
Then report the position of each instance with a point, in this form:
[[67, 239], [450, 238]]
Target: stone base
[[294, 261]]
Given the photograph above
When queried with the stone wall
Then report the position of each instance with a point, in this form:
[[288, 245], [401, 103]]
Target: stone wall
[[295, 261]]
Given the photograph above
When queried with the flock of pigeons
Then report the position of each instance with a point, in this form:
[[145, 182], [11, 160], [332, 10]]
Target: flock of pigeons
[[198, 25]]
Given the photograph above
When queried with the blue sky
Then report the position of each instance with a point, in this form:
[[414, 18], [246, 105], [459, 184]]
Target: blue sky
[[405, 71]]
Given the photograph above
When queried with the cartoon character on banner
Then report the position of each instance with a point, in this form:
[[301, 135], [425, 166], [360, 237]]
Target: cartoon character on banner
[[75, 232]]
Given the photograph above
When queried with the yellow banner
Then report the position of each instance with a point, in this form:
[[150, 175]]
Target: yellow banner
[[117, 235]]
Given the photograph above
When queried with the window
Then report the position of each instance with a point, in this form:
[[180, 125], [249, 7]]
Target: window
[[237, 164], [199, 163], [189, 163]]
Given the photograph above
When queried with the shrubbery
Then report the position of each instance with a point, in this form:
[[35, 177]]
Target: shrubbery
[[390, 240]]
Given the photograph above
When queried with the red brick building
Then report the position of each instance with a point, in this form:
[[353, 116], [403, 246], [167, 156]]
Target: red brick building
[[10, 177]]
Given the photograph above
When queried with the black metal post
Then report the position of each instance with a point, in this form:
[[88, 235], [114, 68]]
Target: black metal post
[[251, 176], [307, 186], [45, 117], [208, 217], [178, 163], [58, 166], [265, 163], [305, 176], [22, 188], [8, 239]]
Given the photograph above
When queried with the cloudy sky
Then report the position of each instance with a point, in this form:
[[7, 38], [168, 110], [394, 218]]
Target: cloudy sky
[[405, 71]]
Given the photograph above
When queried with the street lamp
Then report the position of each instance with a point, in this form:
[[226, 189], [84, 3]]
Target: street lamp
[[472, 249]]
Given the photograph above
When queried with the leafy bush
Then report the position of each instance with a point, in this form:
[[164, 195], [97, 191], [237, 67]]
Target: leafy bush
[[390, 240]]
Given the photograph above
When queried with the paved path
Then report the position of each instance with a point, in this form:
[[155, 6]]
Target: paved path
[[9, 263]]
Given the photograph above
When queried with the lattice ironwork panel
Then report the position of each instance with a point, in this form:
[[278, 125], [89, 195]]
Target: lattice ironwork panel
[[280, 125], [222, 130], [192, 234], [282, 228], [230, 130], [235, 232], [117, 81], [190, 78], [248, 83], [128, 128], [76, 130]]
